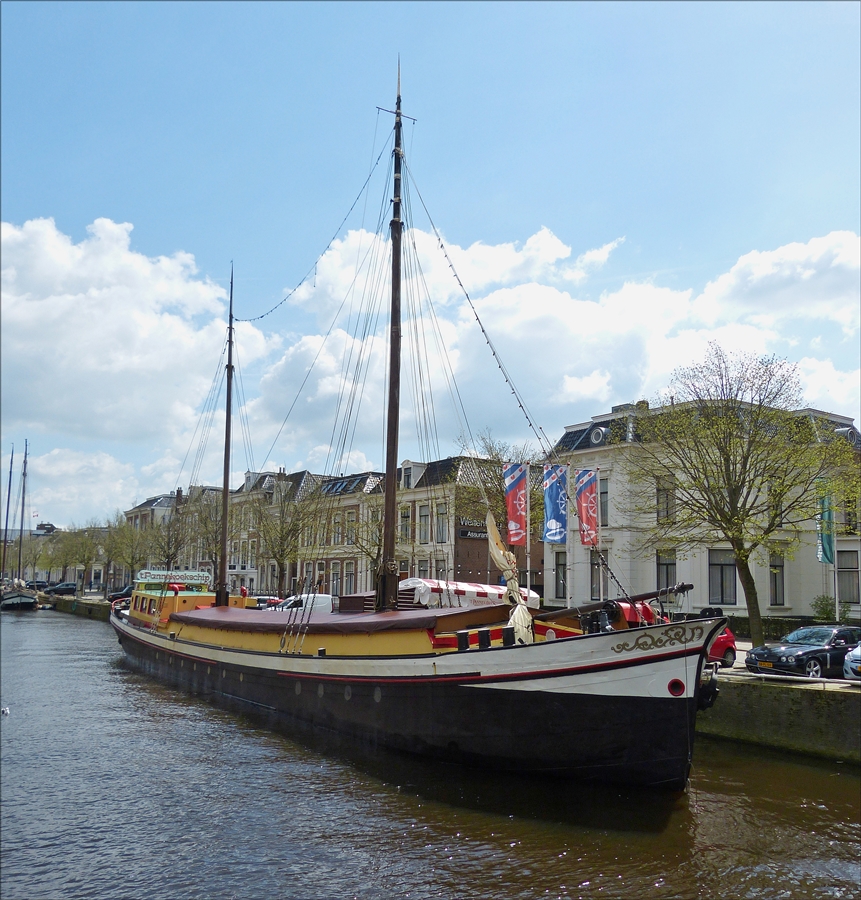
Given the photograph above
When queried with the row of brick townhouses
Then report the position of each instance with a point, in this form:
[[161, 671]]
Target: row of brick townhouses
[[337, 540]]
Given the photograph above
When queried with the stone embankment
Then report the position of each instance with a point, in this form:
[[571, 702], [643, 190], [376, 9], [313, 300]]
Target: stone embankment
[[818, 717], [89, 607]]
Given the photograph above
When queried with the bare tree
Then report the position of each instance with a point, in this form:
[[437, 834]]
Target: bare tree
[[481, 483], [728, 457], [280, 518], [169, 539]]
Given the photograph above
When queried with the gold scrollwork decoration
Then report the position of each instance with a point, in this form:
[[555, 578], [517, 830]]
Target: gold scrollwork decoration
[[668, 637]]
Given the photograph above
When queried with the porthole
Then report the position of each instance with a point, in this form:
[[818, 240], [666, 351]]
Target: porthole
[[319, 690], [223, 673], [242, 676], [298, 687], [348, 692], [378, 695], [676, 687], [550, 635]]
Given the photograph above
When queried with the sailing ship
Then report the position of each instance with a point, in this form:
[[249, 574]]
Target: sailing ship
[[15, 595], [602, 691]]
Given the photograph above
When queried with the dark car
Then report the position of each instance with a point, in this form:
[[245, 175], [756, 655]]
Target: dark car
[[124, 594], [36, 585], [816, 651], [64, 588]]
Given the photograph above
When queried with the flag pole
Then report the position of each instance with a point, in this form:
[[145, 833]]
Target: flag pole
[[568, 549], [598, 523], [528, 535]]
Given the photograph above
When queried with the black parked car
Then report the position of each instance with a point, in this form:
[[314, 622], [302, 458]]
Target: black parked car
[[816, 651], [65, 588], [36, 585], [124, 594]]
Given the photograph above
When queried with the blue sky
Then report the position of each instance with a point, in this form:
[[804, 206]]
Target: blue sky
[[644, 176]]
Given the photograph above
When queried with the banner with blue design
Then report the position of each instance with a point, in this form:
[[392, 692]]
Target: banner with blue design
[[555, 504]]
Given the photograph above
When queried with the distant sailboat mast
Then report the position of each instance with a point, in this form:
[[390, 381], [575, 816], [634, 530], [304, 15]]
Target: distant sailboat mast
[[387, 584], [23, 498], [222, 591], [6, 524]]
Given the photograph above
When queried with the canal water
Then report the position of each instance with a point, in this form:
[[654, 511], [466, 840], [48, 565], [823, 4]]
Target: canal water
[[113, 786]]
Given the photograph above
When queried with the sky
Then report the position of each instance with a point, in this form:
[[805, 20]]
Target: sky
[[616, 185]]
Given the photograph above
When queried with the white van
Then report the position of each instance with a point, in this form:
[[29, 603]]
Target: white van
[[314, 602]]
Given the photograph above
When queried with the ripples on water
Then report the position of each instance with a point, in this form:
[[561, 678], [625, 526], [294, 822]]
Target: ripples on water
[[113, 786]]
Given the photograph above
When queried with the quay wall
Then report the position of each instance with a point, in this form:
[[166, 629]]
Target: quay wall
[[816, 717], [78, 606]]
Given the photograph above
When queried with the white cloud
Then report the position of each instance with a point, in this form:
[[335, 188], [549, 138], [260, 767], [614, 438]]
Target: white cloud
[[112, 342], [109, 354], [813, 281]]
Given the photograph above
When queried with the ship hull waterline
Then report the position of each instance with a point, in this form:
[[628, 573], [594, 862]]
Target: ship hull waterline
[[594, 720]]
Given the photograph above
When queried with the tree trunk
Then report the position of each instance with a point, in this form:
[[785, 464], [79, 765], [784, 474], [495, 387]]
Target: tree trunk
[[751, 597]]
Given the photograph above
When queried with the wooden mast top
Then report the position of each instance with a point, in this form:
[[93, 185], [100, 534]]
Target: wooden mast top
[[387, 583]]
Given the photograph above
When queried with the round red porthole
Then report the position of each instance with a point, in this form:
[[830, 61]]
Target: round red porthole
[[676, 687]]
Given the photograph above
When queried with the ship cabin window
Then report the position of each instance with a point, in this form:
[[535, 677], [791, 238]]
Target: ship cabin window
[[151, 606]]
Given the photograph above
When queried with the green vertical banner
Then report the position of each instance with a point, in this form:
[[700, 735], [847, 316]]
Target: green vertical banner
[[825, 533]]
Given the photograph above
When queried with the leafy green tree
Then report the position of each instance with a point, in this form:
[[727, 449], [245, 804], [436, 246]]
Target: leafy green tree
[[132, 547], [729, 456], [86, 542]]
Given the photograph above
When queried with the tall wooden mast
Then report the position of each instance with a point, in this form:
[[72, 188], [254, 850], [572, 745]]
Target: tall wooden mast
[[222, 592], [387, 585]]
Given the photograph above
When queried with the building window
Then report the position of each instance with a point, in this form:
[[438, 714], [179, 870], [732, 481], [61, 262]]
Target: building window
[[666, 565], [424, 524], [252, 554], [337, 533], [424, 568], [349, 577], [405, 524], [561, 576], [441, 523], [666, 499], [849, 517], [604, 501], [847, 576], [721, 577], [351, 526], [439, 569], [243, 554], [600, 580], [775, 580], [336, 580], [408, 477]]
